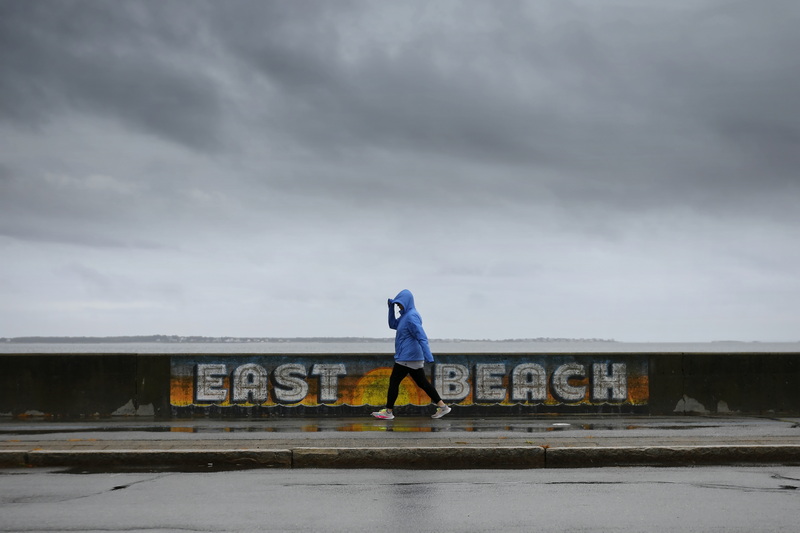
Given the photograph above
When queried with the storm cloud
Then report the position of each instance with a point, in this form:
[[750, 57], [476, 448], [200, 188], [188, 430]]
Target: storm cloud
[[608, 169]]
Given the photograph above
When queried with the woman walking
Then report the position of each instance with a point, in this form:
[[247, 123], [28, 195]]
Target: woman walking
[[411, 352]]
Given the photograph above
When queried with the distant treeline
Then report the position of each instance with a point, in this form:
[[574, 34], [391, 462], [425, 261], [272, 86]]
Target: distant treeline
[[200, 339], [181, 338]]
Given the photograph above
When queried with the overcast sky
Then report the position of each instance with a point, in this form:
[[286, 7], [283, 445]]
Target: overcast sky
[[619, 169]]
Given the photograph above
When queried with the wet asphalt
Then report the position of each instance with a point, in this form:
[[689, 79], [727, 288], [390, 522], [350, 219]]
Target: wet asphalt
[[702, 499], [416, 442]]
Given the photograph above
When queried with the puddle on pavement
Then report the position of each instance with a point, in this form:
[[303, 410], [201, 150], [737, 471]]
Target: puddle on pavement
[[404, 425], [82, 429]]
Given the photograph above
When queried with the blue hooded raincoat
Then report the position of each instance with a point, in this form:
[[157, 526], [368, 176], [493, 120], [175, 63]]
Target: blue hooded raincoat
[[410, 342]]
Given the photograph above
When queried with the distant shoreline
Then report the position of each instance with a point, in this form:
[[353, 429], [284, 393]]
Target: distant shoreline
[[180, 339]]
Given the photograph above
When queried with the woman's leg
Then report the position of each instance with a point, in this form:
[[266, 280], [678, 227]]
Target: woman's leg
[[418, 375], [398, 373]]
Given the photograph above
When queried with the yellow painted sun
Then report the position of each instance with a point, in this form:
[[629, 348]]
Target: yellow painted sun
[[371, 390]]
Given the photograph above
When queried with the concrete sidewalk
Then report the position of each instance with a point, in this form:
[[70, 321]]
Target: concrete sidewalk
[[449, 443]]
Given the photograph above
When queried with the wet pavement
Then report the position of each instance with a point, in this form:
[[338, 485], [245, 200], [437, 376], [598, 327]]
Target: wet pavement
[[545, 430], [363, 442], [707, 499]]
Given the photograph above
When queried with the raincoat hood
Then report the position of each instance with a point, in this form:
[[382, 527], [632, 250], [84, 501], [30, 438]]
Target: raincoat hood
[[406, 299]]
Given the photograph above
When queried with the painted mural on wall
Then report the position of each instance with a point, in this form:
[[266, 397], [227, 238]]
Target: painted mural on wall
[[538, 383]]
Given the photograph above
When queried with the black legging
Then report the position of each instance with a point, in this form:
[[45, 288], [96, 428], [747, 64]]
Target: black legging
[[399, 372]]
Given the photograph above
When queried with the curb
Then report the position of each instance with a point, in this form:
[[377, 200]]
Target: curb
[[437, 458], [672, 455], [161, 458], [12, 459]]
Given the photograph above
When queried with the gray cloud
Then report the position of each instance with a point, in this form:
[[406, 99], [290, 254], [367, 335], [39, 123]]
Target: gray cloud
[[137, 62], [644, 105], [582, 155]]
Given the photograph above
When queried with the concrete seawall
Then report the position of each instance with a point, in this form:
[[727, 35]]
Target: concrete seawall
[[73, 386]]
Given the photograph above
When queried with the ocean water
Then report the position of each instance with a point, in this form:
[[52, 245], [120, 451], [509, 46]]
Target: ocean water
[[387, 347]]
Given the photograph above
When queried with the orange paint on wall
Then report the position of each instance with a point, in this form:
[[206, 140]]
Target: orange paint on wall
[[181, 390], [638, 390], [371, 390]]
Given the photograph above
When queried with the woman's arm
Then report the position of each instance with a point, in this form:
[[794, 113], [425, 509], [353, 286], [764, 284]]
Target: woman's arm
[[415, 328], [392, 318]]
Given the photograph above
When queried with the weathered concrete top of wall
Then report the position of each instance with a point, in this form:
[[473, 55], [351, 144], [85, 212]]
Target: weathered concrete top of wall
[[102, 384]]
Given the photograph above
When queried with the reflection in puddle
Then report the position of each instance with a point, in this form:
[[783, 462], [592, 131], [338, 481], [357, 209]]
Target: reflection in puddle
[[410, 424]]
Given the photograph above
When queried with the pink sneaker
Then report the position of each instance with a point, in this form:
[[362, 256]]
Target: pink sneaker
[[383, 414]]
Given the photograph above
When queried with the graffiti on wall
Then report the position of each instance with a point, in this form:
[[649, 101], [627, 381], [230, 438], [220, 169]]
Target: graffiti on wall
[[361, 380]]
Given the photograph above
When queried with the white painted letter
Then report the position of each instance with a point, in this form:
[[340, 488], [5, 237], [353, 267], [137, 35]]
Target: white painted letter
[[603, 383], [489, 382], [208, 387], [561, 387], [528, 382], [249, 384], [452, 381], [328, 380], [291, 387]]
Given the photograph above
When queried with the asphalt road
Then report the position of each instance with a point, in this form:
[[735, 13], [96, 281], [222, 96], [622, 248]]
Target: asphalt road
[[730, 499]]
